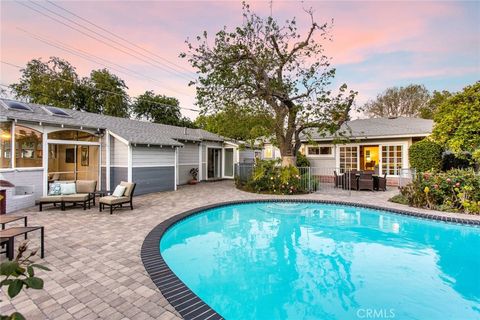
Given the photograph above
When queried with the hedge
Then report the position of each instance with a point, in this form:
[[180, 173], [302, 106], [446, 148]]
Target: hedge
[[425, 155]]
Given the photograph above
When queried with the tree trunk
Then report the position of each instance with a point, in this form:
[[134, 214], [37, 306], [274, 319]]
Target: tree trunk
[[289, 161]]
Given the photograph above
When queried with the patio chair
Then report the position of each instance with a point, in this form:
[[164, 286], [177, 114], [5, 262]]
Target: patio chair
[[115, 202], [350, 181], [382, 182], [338, 179], [365, 182]]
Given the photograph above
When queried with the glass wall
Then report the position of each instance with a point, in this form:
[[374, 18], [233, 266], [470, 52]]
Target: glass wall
[[28, 147], [72, 162], [5, 144], [392, 159]]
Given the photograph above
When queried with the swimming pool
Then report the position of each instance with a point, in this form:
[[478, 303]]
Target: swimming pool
[[306, 260]]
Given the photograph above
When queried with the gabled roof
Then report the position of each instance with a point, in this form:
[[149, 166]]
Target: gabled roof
[[375, 128], [134, 131]]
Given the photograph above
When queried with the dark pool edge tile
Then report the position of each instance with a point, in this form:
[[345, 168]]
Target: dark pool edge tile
[[164, 278]]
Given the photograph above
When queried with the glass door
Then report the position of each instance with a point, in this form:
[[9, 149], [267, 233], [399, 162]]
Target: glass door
[[214, 165], [228, 159], [72, 162]]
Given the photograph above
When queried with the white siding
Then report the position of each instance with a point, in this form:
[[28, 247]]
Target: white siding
[[118, 153], [153, 156], [188, 155]]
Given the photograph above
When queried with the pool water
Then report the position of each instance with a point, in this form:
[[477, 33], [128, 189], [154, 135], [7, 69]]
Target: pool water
[[274, 260]]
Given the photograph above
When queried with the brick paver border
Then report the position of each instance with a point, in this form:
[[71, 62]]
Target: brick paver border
[[185, 301]]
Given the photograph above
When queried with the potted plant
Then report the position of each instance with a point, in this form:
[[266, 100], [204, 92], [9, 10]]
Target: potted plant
[[194, 174]]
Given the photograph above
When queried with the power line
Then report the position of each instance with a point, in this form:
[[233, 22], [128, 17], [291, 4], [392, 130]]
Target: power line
[[100, 90], [95, 38], [118, 37], [85, 55], [160, 64]]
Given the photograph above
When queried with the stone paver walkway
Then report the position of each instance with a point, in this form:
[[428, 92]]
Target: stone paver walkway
[[97, 272]]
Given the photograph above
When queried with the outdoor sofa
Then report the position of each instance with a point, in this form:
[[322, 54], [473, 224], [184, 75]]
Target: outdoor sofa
[[117, 201], [83, 195]]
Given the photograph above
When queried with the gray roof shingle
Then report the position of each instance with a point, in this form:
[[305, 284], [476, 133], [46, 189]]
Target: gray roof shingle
[[375, 128], [135, 131]]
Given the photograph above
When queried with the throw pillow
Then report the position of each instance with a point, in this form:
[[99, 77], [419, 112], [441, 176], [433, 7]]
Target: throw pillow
[[55, 189], [119, 191], [68, 188]]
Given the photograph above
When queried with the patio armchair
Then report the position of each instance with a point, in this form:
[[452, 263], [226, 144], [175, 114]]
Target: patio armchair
[[382, 182], [365, 182], [115, 202]]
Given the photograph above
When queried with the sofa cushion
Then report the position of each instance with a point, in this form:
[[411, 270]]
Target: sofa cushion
[[50, 199], [129, 188], [55, 189], [68, 188], [114, 200], [75, 197], [86, 186]]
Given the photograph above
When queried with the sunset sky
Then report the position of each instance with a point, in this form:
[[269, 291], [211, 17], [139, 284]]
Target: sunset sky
[[375, 44]]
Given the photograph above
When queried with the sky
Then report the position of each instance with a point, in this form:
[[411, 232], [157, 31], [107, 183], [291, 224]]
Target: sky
[[376, 44]]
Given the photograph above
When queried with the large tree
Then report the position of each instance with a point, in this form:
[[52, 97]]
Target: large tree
[[406, 101], [54, 82], [104, 92], [237, 123], [437, 98], [159, 109], [271, 68], [457, 121]]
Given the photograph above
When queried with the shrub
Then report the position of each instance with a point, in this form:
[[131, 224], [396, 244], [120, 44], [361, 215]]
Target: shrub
[[455, 190], [269, 177], [451, 161], [425, 155], [399, 198], [302, 161]]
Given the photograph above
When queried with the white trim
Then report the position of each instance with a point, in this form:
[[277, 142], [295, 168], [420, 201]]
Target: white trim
[[116, 136], [13, 148], [188, 164], [74, 142], [129, 163], [21, 169], [374, 137], [176, 169], [45, 155], [150, 166], [107, 160], [200, 163]]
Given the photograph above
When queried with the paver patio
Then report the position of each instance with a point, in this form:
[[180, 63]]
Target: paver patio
[[95, 257]]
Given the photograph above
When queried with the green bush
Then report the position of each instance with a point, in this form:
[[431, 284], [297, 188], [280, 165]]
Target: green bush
[[399, 198], [425, 155], [455, 190], [302, 161], [269, 177]]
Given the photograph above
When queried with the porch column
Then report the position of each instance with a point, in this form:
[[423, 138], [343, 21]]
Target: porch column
[[45, 156], [200, 164]]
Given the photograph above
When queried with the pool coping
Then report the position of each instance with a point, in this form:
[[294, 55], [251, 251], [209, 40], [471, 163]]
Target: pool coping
[[184, 300]]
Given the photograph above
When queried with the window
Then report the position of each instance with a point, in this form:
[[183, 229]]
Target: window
[[56, 112], [268, 152], [5, 144], [392, 159], [320, 151], [17, 106], [348, 158], [28, 147], [74, 135]]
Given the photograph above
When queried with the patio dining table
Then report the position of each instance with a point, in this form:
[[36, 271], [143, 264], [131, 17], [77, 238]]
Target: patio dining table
[[375, 178]]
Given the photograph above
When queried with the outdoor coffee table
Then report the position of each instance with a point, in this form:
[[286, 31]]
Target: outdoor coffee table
[[4, 219], [7, 237]]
